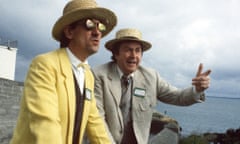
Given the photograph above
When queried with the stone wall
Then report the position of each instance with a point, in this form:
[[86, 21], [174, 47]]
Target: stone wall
[[10, 93]]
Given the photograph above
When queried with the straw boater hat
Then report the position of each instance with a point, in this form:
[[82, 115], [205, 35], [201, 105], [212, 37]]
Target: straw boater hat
[[80, 9], [128, 35]]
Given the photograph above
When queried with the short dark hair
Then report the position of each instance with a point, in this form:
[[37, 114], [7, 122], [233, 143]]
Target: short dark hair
[[64, 41], [115, 50]]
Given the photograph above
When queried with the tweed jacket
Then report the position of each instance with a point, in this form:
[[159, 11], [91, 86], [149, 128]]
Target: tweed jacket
[[148, 87], [48, 105]]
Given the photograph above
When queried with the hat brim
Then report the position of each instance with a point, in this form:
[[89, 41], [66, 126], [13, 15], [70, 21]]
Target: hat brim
[[104, 15], [111, 44]]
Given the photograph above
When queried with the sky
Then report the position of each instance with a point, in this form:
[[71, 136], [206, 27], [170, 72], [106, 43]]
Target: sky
[[183, 34]]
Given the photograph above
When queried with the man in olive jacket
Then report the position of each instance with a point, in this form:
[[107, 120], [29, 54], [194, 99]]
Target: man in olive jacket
[[146, 85]]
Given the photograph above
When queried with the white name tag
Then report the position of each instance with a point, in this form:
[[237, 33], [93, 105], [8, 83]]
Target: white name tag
[[88, 94], [139, 92]]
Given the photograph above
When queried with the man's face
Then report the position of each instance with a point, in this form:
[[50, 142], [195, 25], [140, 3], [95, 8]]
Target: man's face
[[84, 42], [129, 57]]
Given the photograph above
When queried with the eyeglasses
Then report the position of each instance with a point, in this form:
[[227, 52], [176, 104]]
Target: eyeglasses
[[90, 25]]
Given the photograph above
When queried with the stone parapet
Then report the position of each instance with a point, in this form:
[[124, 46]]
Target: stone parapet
[[10, 93]]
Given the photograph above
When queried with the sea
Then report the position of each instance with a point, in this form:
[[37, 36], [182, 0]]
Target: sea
[[214, 115]]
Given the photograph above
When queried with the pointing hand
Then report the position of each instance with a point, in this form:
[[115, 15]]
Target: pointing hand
[[202, 79]]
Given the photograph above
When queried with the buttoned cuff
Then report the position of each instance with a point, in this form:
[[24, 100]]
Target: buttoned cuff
[[199, 96]]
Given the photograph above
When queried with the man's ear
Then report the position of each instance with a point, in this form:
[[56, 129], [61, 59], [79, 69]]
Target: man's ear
[[68, 32]]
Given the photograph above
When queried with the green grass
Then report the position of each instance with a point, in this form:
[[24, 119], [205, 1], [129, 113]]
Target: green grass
[[193, 139]]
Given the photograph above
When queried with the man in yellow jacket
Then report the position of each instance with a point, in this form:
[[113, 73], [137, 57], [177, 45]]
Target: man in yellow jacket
[[58, 103]]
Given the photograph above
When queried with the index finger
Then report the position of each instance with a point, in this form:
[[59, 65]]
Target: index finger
[[206, 73], [200, 67]]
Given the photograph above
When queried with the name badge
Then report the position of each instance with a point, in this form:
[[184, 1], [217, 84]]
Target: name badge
[[88, 94], [139, 92]]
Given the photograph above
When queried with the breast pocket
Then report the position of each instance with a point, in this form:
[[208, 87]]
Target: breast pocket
[[143, 108]]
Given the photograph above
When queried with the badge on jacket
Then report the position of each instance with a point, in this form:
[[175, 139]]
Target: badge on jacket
[[139, 92], [88, 94]]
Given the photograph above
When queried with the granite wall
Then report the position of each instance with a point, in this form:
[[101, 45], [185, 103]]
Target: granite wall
[[10, 93]]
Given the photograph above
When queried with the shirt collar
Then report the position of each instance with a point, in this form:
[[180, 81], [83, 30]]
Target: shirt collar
[[74, 60], [121, 73]]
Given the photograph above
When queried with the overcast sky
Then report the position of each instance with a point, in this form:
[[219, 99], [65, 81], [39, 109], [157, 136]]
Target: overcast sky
[[183, 33]]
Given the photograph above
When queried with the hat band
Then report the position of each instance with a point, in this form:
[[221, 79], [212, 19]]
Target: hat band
[[129, 37]]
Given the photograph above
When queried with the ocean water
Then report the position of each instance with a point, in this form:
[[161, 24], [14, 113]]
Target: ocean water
[[213, 115]]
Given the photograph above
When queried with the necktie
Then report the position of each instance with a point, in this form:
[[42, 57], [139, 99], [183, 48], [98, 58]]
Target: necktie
[[126, 98], [83, 65], [125, 105], [87, 72]]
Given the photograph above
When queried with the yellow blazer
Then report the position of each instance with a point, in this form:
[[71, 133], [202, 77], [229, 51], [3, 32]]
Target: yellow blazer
[[48, 105]]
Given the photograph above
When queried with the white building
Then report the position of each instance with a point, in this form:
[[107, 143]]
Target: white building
[[7, 62]]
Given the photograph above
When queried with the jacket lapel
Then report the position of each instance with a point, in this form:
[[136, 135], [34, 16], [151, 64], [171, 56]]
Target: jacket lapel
[[115, 84], [139, 80], [139, 88], [66, 69]]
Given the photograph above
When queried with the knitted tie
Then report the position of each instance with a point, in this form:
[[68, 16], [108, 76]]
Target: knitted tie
[[125, 105], [86, 67], [87, 71], [126, 98]]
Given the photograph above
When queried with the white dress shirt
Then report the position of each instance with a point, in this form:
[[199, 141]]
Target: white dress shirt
[[78, 71]]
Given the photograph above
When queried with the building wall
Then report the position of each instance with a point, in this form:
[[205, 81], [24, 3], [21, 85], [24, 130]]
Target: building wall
[[10, 93], [7, 62]]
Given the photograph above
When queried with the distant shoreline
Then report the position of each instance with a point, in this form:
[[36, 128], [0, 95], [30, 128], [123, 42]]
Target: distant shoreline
[[222, 97], [231, 136]]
